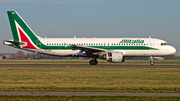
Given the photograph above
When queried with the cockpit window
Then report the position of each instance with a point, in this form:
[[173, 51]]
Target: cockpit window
[[164, 44]]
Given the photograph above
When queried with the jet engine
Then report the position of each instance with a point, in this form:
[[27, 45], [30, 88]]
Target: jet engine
[[112, 57]]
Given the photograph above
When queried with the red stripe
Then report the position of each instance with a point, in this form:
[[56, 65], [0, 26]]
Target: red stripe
[[25, 39]]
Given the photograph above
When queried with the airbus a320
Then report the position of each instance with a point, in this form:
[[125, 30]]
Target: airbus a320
[[111, 49]]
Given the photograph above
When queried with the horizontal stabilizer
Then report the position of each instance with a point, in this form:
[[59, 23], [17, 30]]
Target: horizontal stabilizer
[[7, 42]]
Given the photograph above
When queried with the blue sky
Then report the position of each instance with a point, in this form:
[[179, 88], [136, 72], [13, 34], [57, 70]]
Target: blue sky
[[95, 18]]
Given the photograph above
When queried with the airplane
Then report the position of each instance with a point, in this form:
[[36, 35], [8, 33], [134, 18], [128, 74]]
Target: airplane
[[111, 49]]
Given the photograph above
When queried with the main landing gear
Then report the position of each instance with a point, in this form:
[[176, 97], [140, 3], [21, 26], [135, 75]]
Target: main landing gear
[[152, 62], [93, 62]]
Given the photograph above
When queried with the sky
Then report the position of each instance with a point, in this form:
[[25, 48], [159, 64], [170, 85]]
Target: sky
[[95, 18]]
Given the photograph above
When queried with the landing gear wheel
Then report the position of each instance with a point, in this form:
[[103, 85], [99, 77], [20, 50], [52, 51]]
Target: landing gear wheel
[[93, 62], [151, 63], [96, 62], [151, 58]]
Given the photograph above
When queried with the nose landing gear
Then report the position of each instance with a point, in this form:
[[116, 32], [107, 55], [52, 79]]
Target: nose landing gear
[[93, 62], [152, 62]]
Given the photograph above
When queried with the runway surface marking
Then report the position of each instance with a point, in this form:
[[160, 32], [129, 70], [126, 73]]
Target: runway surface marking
[[89, 94], [77, 65]]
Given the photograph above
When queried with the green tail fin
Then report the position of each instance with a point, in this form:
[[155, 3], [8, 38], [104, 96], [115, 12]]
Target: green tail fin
[[16, 23]]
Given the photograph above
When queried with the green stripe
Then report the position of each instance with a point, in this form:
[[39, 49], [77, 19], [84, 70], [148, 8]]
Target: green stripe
[[42, 46], [101, 47]]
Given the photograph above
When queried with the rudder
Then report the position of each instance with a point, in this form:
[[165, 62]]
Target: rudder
[[21, 31]]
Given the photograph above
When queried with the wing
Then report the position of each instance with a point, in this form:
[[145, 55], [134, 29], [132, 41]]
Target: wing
[[88, 50]]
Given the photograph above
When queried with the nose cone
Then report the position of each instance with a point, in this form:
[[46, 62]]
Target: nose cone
[[172, 50]]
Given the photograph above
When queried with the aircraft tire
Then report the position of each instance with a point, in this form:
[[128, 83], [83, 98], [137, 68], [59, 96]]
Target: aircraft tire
[[152, 63], [96, 62], [93, 62]]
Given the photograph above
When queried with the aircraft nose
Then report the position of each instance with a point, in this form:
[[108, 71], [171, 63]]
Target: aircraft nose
[[173, 50]]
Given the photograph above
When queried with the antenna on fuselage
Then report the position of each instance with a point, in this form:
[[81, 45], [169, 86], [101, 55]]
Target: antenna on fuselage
[[74, 36], [150, 37]]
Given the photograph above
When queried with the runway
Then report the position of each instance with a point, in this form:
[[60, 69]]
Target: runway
[[89, 94], [77, 65]]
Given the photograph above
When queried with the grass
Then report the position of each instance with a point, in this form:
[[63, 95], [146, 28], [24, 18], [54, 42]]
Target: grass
[[90, 79], [101, 62], [85, 98]]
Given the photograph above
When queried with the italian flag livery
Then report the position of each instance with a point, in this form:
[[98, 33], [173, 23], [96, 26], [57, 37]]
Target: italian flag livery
[[110, 49], [21, 31]]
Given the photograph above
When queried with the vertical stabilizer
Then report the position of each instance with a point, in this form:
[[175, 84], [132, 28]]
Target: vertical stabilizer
[[21, 31]]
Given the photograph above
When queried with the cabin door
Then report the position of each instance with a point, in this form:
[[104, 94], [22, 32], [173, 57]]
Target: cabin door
[[152, 44]]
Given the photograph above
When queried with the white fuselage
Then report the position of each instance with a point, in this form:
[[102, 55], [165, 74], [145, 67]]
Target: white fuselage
[[157, 47]]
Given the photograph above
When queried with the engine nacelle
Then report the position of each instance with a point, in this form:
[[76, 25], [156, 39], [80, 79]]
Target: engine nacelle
[[113, 57]]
